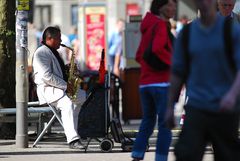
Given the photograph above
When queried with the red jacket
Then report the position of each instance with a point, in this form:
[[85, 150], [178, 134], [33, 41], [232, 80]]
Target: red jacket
[[162, 47]]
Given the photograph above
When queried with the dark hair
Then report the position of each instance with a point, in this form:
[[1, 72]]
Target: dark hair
[[51, 32], [156, 4]]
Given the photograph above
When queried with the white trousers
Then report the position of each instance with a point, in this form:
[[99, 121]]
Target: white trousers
[[69, 115]]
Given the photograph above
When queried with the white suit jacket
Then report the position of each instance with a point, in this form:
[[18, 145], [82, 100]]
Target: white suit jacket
[[48, 76]]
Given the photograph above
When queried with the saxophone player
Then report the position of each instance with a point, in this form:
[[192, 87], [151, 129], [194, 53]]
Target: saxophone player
[[52, 84]]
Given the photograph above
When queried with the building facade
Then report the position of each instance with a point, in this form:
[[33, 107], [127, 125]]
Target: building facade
[[73, 13], [65, 12]]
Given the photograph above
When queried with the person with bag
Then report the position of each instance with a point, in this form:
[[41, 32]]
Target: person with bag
[[213, 106], [154, 82]]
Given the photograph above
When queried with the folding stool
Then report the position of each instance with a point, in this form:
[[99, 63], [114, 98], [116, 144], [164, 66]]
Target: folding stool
[[56, 114]]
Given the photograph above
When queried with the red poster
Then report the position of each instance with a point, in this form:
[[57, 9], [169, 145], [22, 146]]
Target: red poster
[[132, 9], [95, 36]]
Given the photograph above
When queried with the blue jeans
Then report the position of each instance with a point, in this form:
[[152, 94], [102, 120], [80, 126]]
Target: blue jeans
[[154, 103]]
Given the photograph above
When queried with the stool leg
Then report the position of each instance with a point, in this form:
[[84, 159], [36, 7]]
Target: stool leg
[[40, 124], [44, 130]]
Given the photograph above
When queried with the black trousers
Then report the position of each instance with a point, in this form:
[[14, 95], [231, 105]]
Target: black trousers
[[203, 127]]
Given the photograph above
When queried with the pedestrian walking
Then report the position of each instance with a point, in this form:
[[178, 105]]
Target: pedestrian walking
[[156, 42], [204, 65], [115, 48]]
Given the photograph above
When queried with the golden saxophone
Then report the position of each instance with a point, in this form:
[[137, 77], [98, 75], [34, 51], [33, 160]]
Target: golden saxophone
[[73, 79]]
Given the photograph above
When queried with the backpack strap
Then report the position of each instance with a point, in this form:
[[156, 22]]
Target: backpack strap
[[153, 31], [185, 44], [229, 48]]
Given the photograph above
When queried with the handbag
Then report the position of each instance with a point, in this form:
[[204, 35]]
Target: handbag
[[151, 58]]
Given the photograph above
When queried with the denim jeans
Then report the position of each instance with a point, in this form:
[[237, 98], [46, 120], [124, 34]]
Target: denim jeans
[[154, 102]]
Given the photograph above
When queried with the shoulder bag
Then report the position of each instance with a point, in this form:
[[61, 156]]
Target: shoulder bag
[[151, 58]]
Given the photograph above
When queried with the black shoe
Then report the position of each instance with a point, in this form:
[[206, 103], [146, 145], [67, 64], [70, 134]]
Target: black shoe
[[76, 144], [136, 159]]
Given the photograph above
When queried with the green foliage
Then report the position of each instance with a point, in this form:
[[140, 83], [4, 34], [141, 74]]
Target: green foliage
[[6, 33], [7, 63], [7, 52]]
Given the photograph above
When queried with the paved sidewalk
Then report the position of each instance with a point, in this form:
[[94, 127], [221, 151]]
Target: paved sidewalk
[[51, 151], [54, 147]]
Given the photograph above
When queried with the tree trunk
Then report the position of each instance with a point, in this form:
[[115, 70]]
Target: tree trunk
[[7, 63]]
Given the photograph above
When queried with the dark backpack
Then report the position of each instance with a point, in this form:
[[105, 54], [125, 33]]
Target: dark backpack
[[227, 41]]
